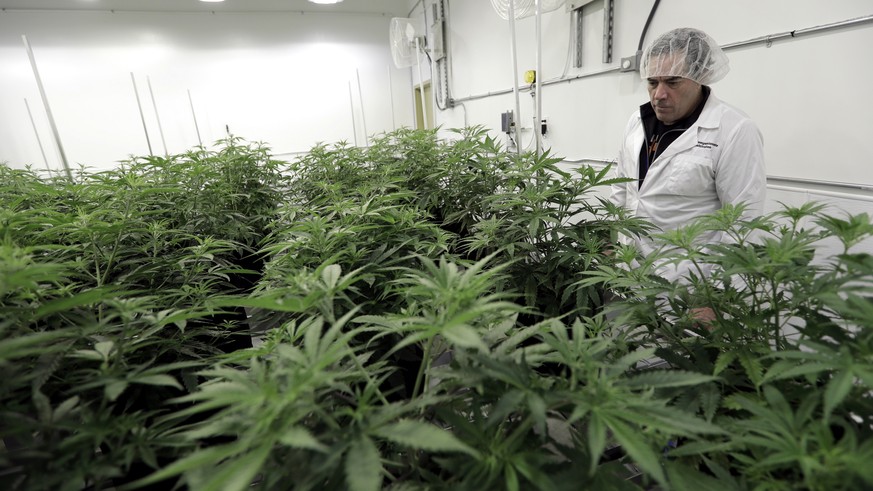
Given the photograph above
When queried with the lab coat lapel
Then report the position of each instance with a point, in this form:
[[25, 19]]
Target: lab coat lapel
[[689, 138]]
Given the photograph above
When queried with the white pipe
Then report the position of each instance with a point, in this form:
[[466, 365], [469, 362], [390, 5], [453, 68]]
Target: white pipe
[[363, 114], [157, 117], [421, 85], [830, 194], [538, 126], [834, 184], [48, 110], [141, 114], [866, 190], [517, 117], [35, 132]]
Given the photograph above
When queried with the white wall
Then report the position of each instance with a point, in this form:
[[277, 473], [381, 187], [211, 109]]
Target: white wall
[[279, 77], [810, 95]]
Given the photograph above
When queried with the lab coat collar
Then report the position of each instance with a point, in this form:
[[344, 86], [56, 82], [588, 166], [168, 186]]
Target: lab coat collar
[[709, 118], [702, 117], [647, 112]]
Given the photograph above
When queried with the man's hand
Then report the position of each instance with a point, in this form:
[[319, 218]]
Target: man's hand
[[703, 317]]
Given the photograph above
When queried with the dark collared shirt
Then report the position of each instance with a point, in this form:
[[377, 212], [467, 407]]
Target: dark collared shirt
[[659, 135]]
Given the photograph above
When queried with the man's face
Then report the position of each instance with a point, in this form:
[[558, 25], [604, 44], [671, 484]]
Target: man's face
[[673, 98]]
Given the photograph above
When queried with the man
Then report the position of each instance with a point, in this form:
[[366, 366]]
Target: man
[[688, 152]]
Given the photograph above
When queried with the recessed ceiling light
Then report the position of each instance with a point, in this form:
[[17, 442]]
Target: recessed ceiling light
[[216, 1], [325, 2]]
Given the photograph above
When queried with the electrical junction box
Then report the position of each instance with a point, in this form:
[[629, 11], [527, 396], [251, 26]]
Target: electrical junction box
[[631, 63], [506, 122]]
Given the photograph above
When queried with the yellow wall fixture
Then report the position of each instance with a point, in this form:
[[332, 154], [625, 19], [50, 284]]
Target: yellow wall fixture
[[530, 76]]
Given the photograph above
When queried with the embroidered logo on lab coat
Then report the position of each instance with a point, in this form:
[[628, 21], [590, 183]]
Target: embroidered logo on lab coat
[[701, 144]]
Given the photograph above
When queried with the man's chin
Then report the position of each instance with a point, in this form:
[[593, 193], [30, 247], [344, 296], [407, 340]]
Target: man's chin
[[665, 117]]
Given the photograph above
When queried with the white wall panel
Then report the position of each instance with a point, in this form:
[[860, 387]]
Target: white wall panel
[[809, 95], [278, 77]]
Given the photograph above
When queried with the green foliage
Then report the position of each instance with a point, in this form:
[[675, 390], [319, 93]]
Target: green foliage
[[104, 289], [790, 344], [430, 314]]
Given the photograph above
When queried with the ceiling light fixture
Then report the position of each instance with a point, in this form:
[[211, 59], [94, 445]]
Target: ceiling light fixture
[[325, 2], [215, 1]]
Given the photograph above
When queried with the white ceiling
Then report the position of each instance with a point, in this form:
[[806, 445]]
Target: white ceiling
[[393, 7]]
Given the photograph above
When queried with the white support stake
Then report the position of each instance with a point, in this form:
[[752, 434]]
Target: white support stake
[[538, 118], [48, 110], [35, 132], [352, 107], [517, 118], [363, 115], [141, 115], [158, 117], [194, 115], [391, 97], [421, 85]]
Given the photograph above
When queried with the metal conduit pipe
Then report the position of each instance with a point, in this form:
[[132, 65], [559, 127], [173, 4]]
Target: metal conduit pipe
[[411, 10], [526, 88], [801, 32], [765, 39]]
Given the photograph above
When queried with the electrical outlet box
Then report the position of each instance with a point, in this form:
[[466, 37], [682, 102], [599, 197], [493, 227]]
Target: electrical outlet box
[[631, 63], [507, 124], [544, 126]]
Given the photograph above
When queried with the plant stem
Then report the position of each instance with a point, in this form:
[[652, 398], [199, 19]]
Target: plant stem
[[423, 368]]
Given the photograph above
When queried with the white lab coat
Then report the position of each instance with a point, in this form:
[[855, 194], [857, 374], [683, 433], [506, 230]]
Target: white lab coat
[[718, 160]]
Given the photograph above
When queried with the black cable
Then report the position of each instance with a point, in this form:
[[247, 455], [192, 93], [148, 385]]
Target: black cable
[[646, 27]]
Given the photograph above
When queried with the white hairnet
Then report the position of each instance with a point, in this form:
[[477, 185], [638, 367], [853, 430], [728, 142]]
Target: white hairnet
[[687, 53]]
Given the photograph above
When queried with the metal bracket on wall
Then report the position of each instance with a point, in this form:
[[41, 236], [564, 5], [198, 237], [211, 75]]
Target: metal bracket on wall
[[576, 4], [436, 42], [577, 26], [608, 22], [575, 8]]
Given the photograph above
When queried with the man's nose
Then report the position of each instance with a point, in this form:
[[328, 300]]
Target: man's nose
[[660, 92]]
